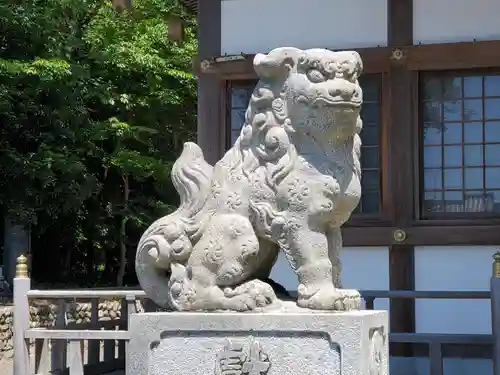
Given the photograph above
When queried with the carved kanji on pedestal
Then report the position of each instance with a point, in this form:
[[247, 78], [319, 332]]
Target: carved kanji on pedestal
[[234, 359]]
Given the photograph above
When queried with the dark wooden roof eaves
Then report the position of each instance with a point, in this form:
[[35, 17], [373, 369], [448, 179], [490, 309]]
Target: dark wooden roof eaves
[[375, 60], [191, 4]]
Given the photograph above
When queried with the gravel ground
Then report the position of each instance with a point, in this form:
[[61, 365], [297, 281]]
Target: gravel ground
[[6, 368]]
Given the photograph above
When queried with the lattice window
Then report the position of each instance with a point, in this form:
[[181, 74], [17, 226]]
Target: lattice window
[[370, 149], [460, 115], [239, 95]]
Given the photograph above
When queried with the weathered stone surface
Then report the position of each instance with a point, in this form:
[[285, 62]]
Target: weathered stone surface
[[292, 341], [43, 315], [288, 184]]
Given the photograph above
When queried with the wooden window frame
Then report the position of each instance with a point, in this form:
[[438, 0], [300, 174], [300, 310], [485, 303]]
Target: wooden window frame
[[449, 58], [458, 218], [380, 218], [230, 84]]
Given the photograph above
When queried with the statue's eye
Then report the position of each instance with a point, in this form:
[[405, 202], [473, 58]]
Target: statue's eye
[[315, 76], [347, 70], [331, 68]]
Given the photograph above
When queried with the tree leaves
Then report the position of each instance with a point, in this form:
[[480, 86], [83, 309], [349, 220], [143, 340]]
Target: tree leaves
[[91, 97]]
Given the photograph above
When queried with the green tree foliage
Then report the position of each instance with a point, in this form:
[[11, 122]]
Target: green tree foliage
[[95, 104]]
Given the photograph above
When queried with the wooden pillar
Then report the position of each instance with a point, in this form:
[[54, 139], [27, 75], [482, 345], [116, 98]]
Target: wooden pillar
[[209, 88], [401, 169], [495, 313]]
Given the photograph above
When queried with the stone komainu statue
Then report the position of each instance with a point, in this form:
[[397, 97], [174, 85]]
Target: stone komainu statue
[[288, 184]]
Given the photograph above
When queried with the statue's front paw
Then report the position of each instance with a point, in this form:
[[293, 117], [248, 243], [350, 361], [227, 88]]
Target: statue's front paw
[[249, 296], [329, 298]]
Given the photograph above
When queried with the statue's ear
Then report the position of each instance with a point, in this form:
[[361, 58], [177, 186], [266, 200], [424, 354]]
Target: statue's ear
[[267, 67], [276, 64], [354, 60], [357, 62]]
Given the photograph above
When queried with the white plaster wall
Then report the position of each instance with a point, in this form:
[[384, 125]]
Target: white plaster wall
[[453, 268], [363, 268], [443, 21], [252, 26]]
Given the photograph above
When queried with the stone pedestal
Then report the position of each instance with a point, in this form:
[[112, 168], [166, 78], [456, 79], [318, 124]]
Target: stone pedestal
[[286, 342]]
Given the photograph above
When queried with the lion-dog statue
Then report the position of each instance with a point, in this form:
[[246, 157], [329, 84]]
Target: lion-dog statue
[[289, 182]]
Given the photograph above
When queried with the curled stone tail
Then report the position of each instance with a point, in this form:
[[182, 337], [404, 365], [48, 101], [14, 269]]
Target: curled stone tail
[[191, 176], [168, 240]]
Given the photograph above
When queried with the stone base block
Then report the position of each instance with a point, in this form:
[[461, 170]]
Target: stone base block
[[296, 342]]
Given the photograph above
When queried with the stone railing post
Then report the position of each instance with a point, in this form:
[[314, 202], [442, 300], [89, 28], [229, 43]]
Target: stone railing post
[[495, 312], [21, 316]]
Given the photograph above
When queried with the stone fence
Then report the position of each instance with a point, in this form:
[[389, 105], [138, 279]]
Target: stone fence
[[43, 314]]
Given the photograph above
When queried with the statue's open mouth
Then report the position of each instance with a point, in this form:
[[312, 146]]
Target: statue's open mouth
[[336, 101]]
